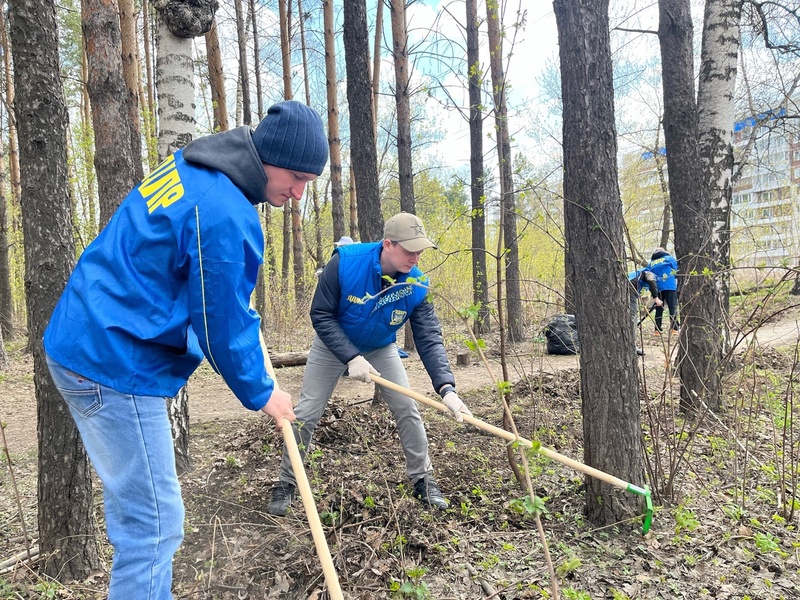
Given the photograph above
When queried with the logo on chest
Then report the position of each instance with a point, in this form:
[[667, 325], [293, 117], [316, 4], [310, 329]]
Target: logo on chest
[[398, 316]]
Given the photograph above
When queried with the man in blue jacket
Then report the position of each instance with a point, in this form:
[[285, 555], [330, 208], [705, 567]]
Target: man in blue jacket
[[361, 300], [167, 282], [665, 267]]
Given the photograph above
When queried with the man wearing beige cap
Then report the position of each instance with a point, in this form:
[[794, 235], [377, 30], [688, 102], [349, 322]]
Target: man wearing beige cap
[[356, 323]]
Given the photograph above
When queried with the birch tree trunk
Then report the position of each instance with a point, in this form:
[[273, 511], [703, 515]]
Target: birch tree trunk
[[177, 24], [65, 504], [174, 85], [715, 105], [593, 224]]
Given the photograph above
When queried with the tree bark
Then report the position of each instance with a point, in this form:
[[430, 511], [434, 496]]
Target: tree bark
[[331, 87], [113, 160], [6, 304], [516, 330], [376, 64], [65, 509], [593, 224], [174, 87], [363, 154], [244, 76], [715, 104], [403, 103], [480, 281], [697, 343], [130, 73], [216, 79]]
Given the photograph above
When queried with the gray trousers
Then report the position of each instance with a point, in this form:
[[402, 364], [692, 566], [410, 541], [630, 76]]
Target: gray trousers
[[322, 374]]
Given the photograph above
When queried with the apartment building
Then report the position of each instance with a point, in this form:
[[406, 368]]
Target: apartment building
[[766, 194]]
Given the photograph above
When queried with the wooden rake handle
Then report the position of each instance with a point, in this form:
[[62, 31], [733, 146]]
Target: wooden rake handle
[[499, 432], [324, 553]]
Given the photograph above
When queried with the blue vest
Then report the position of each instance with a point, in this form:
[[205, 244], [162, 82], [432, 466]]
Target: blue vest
[[371, 320]]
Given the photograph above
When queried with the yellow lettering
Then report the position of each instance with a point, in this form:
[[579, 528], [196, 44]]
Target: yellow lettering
[[163, 186], [165, 197]]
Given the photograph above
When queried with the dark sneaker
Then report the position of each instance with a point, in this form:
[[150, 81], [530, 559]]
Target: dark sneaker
[[427, 492], [639, 351], [281, 499]]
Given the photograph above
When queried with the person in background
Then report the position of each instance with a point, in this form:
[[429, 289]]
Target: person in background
[[360, 302], [641, 280], [665, 267], [166, 283]]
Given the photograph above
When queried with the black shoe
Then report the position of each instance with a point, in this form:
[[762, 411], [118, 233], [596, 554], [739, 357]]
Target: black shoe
[[427, 492], [639, 352], [281, 499]]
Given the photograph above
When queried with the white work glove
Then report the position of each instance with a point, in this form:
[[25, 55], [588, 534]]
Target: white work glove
[[456, 407], [359, 368]]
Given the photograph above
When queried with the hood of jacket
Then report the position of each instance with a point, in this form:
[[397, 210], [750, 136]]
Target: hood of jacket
[[234, 154]]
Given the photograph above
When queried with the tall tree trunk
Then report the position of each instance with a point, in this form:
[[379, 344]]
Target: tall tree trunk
[[5, 270], [6, 300], [698, 344], [174, 86], [353, 204], [151, 139], [363, 154], [403, 102], [261, 288], [480, 281], [85, 224], [13, 143], [331, 87], [516, 331], [130, 73], [593, 223], [284, 14], [256, 60], [244, 75], [715, 105], [375, 74], [114, 161], [65, 507], [216, 78], [318, 252]]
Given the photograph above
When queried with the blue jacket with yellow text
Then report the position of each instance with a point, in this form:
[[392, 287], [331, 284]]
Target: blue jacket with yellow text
[[169, 279]]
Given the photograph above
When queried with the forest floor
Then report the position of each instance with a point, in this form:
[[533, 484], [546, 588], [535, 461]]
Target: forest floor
[[724, 531]]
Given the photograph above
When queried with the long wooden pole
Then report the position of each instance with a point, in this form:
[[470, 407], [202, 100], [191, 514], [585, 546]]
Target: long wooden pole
[[324, 553], [596, 473]]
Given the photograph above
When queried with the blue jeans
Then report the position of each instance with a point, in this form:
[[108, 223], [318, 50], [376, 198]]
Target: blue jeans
[[128, 439], [322, 374]]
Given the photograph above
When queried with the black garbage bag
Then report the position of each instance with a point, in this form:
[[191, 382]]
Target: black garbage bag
[[562, 335]]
